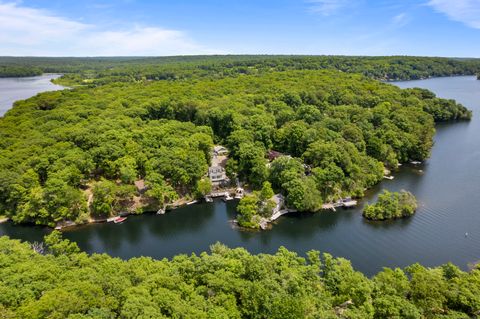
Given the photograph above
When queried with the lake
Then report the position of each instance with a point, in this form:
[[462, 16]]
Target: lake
[[13, 89], [446, 186]]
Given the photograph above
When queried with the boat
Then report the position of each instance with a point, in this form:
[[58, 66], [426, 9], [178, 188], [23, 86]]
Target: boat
[[161, 211], [239, 193], [208, 199], [192, 202], [415, 162], [119, 220], [388, 177], [227, 197]]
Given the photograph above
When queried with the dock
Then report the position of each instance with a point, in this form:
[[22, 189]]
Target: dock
[[282, 212], [218, 194], [345, 202], [329, 206], [351, 203], [208, 199]]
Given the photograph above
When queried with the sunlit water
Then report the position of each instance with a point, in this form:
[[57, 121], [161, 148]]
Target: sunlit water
[[447, 187], [13, 89]]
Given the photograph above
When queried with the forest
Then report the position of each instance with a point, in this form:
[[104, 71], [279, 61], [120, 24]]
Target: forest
[[101, 70], [53, 279], [78, 154], [81, 154]]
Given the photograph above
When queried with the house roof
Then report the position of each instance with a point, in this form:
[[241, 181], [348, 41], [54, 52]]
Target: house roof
[[273, 155], [219, 148]]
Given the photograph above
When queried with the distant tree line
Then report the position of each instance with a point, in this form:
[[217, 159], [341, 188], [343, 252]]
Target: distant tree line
[[19, 71], [101, 70]]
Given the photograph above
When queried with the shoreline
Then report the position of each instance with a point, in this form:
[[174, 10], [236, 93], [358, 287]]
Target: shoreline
[[181, 202]]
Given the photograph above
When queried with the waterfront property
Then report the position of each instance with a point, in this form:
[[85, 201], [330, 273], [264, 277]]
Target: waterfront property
[[433, 236], [216, 171], [217, 174]]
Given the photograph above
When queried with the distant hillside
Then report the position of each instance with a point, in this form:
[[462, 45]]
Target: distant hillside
[[101, 70]]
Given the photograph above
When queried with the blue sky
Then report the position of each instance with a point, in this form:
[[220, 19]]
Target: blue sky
[[174, 27]]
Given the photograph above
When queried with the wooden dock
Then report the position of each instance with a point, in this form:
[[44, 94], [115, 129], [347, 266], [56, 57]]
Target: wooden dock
[[219, 194], [282, 212], [346, 203], [329, 206]]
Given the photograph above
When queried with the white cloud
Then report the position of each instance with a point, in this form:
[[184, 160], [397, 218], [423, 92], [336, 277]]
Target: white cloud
[[465, 11], [327, 7], [400, 19], [29, 31]]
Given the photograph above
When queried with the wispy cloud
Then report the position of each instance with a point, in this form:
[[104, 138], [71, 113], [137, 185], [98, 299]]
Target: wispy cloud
[[465, 11], [400, 19], [29, 31], [327, 7]]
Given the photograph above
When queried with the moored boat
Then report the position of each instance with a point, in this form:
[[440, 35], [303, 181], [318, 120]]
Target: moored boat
[[119, 220]]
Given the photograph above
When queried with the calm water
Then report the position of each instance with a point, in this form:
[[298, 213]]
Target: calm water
[[447, 187], [13, 89]]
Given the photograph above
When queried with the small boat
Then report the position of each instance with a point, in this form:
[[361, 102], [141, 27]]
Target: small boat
[[119, 220], [239, 193], [227, 197], [388, 177], [208, 199], [415, 162], [161, 211], [192, 202]]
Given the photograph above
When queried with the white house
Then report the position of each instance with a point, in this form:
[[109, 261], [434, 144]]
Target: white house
[[217, 174]]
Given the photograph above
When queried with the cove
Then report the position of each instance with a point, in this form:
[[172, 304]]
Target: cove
[[14, 89], [446, 186]]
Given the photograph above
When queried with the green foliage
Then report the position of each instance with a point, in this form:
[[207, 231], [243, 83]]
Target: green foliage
[[391, 205], [59, 246], [224, 283], [339, 128], [100, 71], [204, 186], [266, 192], [109, 197], [248, 211], [253, 207]]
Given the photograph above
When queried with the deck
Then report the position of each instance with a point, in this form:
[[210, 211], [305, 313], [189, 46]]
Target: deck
[[282, 212]]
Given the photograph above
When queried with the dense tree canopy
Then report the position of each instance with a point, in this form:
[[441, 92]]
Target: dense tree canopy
[[102, 70], [391, 205], [58, 281], [60, 148]]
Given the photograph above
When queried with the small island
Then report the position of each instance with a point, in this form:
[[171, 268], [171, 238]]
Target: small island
[[256, 207], [391, 205]]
